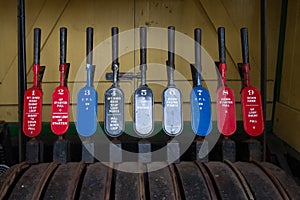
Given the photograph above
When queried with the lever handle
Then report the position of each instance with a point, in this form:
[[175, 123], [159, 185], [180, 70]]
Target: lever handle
[[115, 42], [63, 45], [143, 45], [37, 45], [221, 41], [197, 35], [245, 46], [197, 67], [171, 46], [89, 45]]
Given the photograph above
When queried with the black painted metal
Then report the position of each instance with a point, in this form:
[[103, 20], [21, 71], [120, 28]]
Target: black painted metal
[[228, 149], [261, 186], [36, 46], [263, 70], [274, 180], [63, 45], [192, 181], [22, 189], [9, 179], [218, 173], [245, 49], [59, 186], [89, 45], [185, 180], [128, 185], [221, 41], [22, 82], [47, 174], [160, 184], [289, 184], [208, 181], [94, 182], [242, 179], [61, 151], [34, 151]]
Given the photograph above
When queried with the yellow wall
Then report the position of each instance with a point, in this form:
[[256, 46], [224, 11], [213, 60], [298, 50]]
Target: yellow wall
[[287, 111], [185, 15]]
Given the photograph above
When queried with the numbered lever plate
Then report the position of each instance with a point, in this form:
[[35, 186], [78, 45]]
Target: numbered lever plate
[[201, 116], [252, 111], [86, 122], [32, 113], [60, 110], [226, 111], [114, 112], [143, 108], [172, 111]]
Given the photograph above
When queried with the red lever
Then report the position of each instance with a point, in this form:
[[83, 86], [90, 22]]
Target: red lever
[[63, 69], [36, 69], [246, 69], [222, 69]]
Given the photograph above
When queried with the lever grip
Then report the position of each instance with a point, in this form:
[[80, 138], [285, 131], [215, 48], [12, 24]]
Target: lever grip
[[115, 42], [245, 47], [63, 45], [171, 46], [143, 45], [89, 45], [37, 46], [197, 36], [221, 41]]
